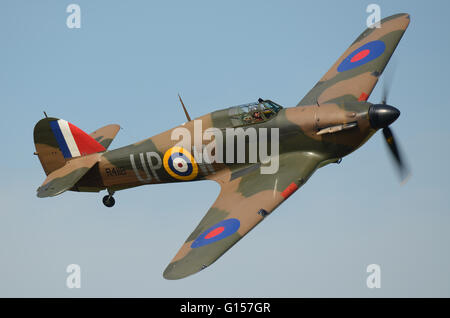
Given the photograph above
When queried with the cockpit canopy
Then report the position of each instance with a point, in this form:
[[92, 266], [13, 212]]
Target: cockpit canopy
[[252, 113]]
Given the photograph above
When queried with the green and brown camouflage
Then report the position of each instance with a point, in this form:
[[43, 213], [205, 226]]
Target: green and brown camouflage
[[331, 121], [105, 135]]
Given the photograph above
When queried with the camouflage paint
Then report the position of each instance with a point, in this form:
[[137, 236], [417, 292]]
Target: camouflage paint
[[330, 122]]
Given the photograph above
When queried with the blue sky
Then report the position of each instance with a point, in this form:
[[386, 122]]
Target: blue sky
[[127, 64]]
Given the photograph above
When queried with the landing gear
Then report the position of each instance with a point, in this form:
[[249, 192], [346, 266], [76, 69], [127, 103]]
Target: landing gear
[[108, 200]]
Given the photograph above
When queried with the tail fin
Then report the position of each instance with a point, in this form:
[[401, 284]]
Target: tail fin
[[57, 141]]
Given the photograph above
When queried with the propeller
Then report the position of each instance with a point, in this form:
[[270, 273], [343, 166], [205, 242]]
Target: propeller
[[402, 169], [382, 116], [388, 77]]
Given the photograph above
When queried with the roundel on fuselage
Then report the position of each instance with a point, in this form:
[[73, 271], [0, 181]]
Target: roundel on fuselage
[[180, 164]]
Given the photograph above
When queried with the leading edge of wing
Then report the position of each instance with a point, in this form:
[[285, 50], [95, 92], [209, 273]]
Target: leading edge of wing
[[242, 204]]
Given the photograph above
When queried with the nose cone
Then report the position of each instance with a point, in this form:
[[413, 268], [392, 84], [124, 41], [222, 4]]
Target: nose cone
[[382, 115]]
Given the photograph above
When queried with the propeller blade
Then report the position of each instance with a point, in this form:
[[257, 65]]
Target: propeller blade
[[389, 137], [388, 78], [385, 93]]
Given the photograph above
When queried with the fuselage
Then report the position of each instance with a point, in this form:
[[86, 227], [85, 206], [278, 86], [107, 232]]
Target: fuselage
[[329, 130]]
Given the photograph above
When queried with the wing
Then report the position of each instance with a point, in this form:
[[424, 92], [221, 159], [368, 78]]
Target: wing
[[245, 199], [105, 135], [356, 72], [66, 177]]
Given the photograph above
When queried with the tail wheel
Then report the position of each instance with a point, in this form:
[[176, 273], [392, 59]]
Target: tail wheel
[[109, 201]]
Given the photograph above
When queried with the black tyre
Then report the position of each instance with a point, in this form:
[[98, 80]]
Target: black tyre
[[108, 201]]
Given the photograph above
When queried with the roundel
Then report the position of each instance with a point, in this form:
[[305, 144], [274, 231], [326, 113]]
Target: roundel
[[217, 232], [362, 55], [180, 164]]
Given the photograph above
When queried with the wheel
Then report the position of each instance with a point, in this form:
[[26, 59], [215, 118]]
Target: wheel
[[108, 201]]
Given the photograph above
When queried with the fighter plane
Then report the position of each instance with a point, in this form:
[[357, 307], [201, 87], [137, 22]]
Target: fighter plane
[[330, 122]]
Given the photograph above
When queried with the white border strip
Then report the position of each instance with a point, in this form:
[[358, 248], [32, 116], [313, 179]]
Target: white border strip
[[70, 141]]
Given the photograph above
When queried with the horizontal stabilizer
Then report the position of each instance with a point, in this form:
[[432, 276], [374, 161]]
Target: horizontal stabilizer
[[66, 177], [105, 135]]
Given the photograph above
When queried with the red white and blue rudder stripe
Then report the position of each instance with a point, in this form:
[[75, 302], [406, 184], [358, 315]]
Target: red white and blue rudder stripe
[[72, 141]]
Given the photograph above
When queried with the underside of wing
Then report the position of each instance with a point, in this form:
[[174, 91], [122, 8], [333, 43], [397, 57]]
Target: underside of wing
[[244, 201], [356, 72]]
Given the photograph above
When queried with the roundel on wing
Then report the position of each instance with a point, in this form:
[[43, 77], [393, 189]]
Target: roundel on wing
[[362, 55], [217, 232], [180, 164]]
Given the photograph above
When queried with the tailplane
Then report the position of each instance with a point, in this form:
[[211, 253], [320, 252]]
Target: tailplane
[[66, 177], [105, 135]]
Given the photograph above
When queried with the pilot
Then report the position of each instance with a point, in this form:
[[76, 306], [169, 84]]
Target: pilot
[[257, 116]]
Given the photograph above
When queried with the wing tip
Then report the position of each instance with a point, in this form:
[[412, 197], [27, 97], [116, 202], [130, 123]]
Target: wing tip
[[403, 15], [46, 191], [172, 272]]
